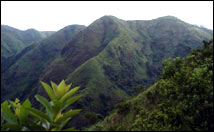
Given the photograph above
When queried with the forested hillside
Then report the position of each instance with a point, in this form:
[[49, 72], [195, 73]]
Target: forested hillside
[[107, 59], [181, 100], [111, 56]]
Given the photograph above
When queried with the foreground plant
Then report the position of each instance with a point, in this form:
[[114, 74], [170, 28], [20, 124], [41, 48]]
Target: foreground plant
[[14, 115], [53, 119]]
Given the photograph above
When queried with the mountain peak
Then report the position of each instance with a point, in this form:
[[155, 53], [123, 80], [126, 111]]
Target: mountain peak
[[169, 17], [72, 27], [108, 17], [31, 30]]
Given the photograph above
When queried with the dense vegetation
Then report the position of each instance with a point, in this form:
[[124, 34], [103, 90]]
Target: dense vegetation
[[181, 100], [22, 117], [108, 59], [111, 56]]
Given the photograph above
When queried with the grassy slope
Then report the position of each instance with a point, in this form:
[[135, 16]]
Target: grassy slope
[[108, 58], [193, 95], [133, 53]]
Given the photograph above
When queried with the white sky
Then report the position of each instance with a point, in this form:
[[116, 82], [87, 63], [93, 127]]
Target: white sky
[[52, 16]]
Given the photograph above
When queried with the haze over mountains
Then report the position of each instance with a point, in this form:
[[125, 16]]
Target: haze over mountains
[[107, 58]]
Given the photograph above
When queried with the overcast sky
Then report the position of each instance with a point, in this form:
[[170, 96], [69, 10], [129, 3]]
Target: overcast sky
[[52, 16]]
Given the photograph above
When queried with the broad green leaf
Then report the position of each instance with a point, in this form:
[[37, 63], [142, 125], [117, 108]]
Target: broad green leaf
[[49, 91], [17, 101], [23, 112], [26, 103], [56, 108], [38, 114], [71, 101], [8, 114], [13, 104], [18, 109], [67, 87], [67, 115], [69, 94], [46, 104], [54, 86], [61, 88]]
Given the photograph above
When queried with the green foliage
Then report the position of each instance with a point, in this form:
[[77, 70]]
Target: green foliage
[[133, 56], [108, 58], [123, 108], [14, 115], [21, 117], [93, 117], [139, 88], [186, 95], [181, 100]]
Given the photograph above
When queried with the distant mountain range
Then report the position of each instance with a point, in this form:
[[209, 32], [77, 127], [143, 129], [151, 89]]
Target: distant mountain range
[[14, 40], [107, 58]]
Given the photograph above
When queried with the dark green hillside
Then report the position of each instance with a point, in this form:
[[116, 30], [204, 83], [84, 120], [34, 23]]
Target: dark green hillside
[[26, 70], [111, 56], [85, 45], [181, 100], [7, 62]]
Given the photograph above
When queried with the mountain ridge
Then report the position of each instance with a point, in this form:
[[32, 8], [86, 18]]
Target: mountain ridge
[[14, 40], [123, 49], [30, 65], [106, 59]]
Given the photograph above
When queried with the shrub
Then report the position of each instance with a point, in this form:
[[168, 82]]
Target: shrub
[[19, 117]]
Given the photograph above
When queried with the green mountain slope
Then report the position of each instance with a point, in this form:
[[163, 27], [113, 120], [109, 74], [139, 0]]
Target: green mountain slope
[[111, 56], [14, 40], [181, 100], [26, 69], [106, 59]]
